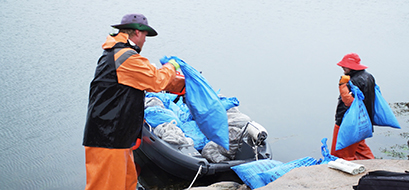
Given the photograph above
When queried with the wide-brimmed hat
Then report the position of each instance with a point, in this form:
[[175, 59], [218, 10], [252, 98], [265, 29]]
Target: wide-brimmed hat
[[136, 21], [352, 61]]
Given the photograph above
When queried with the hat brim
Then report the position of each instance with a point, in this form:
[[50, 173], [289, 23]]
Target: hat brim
[[137, 26], [352, 66]]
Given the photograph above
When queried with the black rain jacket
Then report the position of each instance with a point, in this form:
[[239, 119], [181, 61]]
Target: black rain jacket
[[117, 94]]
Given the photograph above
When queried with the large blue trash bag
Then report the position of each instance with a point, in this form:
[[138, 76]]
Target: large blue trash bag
[[325, 153], [249, 172], [383, 114], [204, 104], [356, 124]]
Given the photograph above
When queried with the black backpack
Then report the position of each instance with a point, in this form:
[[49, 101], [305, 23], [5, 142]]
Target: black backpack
[[380, 180]]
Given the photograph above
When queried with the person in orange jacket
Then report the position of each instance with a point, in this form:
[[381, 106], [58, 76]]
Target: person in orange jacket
[[116, 104], [355, 72]]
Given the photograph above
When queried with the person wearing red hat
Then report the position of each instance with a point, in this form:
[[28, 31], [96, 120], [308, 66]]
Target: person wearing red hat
[[355, 72], [116, 104]]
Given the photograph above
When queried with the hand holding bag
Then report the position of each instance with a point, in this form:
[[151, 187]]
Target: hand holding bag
[[204, 104], [356, 124]]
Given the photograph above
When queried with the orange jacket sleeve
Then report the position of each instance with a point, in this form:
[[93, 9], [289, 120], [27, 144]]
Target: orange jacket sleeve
[[346, 97], [137, 72]]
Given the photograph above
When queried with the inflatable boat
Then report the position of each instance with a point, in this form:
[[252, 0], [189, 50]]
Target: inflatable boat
[[186, 162]]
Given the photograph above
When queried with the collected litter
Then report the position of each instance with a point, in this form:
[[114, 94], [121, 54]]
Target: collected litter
[[204, 104], [172, 134], [173, 123], [346, 166], [356, 124], [259, 173], [201, 132]]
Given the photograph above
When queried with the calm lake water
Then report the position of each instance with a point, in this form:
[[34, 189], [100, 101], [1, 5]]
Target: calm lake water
[[277, 57]]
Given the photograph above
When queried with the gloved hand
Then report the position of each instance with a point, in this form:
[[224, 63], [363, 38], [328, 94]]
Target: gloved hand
[[164, 60], [174, 63], [344, 79], [170, 60]]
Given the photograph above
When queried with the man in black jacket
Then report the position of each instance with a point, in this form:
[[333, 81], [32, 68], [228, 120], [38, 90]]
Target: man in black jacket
[[355, 72]]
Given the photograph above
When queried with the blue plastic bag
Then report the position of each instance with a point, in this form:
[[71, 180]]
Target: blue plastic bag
[[192, 131], [383, 114], [249, 172], [184, 113], [278, 171], [157, 115], [204, 105], [356, 124], [259, 173], [229, 102], [325, 153]]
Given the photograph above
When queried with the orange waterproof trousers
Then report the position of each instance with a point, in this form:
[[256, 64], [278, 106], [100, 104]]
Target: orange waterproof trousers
[[109, 169], [357, 151]]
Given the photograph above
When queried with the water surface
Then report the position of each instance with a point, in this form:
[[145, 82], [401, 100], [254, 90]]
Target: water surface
[[277, 57]]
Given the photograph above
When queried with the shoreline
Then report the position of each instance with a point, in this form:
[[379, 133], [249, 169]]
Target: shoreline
[[318, 177]]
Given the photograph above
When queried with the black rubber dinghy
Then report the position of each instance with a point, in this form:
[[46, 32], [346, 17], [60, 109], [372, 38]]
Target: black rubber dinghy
[[185, 162]]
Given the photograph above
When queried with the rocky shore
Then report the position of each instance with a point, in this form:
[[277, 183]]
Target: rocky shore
[[318, 177]]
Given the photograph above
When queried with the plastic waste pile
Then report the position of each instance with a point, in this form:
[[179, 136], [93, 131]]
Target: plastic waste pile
[[160, 110], [212, 121], [173, 123]]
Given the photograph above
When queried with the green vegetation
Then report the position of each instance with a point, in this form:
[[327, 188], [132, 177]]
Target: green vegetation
[[400, 151], [397, 151]]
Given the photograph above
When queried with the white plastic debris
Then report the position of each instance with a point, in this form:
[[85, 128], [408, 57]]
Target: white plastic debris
[[346, 166]]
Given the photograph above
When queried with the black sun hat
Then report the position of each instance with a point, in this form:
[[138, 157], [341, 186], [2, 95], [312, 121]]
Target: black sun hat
[[136, 21]]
